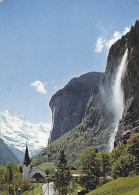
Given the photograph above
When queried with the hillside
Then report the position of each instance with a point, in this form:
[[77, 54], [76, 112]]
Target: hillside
[[120, 186], [72, 142], [6, 155], [101, 116]]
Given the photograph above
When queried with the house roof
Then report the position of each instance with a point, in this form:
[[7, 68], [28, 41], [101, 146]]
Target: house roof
[[34, 168]]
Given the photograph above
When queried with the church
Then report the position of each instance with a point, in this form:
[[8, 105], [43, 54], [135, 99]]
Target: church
[[35, 174]]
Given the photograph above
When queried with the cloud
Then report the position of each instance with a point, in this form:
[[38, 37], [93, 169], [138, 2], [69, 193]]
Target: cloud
[[102, 42], [1, 1], [116, 36], [39, 87]]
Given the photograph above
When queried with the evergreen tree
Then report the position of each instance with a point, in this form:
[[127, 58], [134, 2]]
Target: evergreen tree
[[90, 166], [9, 177], [62, 175]]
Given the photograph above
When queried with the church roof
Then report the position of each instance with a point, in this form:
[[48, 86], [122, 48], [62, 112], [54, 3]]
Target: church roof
[[37, 170], [37, 175], [27, 160]]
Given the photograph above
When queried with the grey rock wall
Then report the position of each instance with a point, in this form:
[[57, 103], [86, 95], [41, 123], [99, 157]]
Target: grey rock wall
[[87, 99]]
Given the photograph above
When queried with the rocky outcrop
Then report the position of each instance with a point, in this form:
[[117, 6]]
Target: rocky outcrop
[[70, 104]]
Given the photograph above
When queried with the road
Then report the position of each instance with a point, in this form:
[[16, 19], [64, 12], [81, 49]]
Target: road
[[45, 189]]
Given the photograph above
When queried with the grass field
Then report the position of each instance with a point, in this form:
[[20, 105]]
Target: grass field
[[36, 190], [46, 165], [120, 186]]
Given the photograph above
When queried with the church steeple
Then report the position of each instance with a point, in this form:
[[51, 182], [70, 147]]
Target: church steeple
[[27, 160]]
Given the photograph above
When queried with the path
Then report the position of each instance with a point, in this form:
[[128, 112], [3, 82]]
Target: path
[[45, 189]]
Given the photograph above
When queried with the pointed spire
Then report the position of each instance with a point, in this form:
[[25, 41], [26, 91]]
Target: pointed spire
[[27, 160]]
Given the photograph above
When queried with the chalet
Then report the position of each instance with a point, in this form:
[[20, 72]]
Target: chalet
[[35, 174]]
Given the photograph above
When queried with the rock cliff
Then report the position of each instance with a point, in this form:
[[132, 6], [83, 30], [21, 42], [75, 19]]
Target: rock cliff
[[87, 100], [70, 104], [129, 124], [83, 113]]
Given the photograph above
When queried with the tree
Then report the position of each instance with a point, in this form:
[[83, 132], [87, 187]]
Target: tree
[[90, 168], [2, 172], [133, 149], [20, 169], [105, 166], [47, 171], [62, 175], [9, 177], [123, 165], [133, 145], [117, 152]]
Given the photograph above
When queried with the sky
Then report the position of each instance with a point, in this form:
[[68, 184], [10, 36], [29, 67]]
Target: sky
[[45, 43]]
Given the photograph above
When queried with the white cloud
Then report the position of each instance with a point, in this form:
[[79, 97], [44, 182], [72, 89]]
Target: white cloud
[[126, 30], [39, 87], [102, 43], [1, 1], [116, 36]]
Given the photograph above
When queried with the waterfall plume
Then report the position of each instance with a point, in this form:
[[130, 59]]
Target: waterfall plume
[[118, 97]]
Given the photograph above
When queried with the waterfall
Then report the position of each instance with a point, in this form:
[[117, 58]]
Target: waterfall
[[53, 116], [118, 97]]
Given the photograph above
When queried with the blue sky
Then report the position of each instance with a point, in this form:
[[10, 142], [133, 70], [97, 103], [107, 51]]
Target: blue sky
[[45, 43]]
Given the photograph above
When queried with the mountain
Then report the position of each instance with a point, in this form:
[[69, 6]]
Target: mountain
[[69, 105], [17, 131], [6, 155], [100, 109]]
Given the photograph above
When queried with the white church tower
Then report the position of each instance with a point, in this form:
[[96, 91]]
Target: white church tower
[[26, 165]]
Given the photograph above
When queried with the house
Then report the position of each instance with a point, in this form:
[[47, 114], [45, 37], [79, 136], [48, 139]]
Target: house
[[35, 174]]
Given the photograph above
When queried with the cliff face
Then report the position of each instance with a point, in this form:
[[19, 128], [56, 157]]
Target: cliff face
[[83, 113], [87, 100], [70, 104], [129, 124]]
